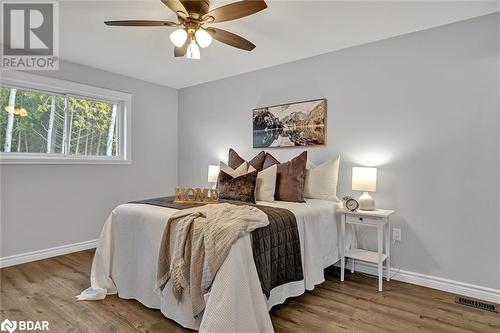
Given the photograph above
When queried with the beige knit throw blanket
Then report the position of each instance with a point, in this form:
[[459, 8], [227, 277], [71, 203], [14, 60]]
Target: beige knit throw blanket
[[194, 235]]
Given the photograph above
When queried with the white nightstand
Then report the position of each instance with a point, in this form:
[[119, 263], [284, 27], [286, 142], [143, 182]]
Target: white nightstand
[[379, 219]]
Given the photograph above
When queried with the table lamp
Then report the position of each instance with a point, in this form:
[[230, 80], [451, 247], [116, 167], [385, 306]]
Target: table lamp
[[213, 173], [365, 179]]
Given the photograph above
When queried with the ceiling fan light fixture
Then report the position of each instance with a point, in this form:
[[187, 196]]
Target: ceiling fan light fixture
[[193, 51], [192, 16], [203, 38], [178, 37]]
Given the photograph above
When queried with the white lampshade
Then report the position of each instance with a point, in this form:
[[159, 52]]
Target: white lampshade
[[203, 38], [213, 173], [178, 37], [193, 51], [364, 179]]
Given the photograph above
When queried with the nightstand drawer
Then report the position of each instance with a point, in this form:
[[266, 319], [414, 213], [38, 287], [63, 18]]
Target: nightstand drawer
[[364, 220]]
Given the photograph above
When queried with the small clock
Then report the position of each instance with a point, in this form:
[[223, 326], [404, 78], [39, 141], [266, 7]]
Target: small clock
[[352, 204]]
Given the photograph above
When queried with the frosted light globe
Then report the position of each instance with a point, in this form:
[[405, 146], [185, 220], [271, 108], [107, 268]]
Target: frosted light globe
[[193, 51], [178, 37], [203, 38]]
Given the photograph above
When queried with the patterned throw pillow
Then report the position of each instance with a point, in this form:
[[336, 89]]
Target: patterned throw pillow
[[239, 171], [241, 188]]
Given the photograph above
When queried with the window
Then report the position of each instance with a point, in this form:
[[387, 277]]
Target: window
[[52, 121]]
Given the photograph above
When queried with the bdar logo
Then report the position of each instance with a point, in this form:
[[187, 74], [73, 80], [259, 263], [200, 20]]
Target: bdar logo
[[24, 325], [8, 325]]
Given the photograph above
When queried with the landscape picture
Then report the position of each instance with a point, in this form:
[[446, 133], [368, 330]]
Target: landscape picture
[[290, 125]]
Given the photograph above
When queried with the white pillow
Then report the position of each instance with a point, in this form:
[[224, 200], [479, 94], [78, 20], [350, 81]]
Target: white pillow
[[266, 183], [239, 171], [321, 181]]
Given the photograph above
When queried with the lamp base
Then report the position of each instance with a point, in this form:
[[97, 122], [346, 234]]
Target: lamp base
[[366, 202]]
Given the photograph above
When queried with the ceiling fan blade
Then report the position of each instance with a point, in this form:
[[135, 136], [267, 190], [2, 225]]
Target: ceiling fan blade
[[141, 23], [176, 6], [181, 51], [229, 38], [235, 10]]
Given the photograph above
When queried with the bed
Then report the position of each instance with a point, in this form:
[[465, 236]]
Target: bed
[[126, 262]]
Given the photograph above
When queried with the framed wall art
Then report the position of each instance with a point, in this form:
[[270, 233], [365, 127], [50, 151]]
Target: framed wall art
[[290, 125]]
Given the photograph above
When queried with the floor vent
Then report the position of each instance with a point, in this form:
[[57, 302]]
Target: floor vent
[[476, 303]]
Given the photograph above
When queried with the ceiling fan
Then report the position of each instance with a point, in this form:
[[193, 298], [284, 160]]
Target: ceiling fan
[[193, 16]]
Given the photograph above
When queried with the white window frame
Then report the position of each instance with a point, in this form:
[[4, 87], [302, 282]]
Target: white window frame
[[45, 84]]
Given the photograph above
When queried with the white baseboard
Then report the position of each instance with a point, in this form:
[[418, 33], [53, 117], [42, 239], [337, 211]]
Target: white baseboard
[[47, 253], [451, 286]]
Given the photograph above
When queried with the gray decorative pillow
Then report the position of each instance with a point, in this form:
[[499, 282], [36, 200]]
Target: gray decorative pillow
[[241, 188]]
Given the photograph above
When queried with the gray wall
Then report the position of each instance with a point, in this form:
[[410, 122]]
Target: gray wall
[[44, 206], [422, 107]]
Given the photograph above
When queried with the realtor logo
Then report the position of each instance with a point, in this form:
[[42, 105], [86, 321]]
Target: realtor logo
[[8, 325], [29, 35]]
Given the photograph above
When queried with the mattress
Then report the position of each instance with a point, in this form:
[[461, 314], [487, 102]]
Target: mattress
[[126, 259]]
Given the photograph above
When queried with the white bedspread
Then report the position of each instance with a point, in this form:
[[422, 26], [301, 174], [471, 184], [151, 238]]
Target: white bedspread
[[126, 262]]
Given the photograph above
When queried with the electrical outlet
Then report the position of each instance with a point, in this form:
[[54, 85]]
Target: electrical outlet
[[396, 234]]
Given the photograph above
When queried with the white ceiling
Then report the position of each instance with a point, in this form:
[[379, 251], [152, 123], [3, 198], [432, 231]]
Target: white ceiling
[[284, 32]]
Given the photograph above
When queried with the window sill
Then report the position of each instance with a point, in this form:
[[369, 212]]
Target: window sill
[[18, 159]]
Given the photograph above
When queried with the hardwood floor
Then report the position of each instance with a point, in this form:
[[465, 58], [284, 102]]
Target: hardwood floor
[[46, 289]]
